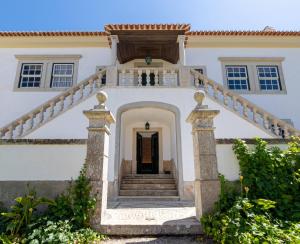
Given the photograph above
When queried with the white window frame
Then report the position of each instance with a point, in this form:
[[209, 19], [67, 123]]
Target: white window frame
[[270, 78], [61, 76], [22, 75], [252, 63], [246, 78]]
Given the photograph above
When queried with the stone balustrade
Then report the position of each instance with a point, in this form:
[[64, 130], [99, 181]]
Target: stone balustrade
[[52, 108], [243, 107], [148, 76]]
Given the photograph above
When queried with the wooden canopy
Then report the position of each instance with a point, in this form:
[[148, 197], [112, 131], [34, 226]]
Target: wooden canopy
[[139, 41]]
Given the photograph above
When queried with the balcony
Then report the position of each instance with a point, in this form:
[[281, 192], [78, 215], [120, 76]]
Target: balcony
[[148, 77]]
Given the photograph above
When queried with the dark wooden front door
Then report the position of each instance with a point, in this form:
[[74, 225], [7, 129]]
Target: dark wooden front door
[[147, 153]]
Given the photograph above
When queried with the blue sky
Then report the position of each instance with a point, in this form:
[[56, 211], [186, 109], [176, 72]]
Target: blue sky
[[49, 15]]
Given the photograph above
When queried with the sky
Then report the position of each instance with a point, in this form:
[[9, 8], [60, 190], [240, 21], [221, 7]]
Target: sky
[[92, 15]]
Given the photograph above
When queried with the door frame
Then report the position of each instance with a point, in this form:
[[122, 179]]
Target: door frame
[[160, 149]]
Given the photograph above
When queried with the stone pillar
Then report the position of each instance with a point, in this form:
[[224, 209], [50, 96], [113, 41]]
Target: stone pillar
[[114, 43], [97, 155], [207, 185], [181, 40]]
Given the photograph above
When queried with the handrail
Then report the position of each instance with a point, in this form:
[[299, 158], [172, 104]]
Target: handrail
[[52, 108], [244, 107]]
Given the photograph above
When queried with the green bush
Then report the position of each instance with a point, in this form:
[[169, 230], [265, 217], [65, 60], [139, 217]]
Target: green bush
[[62, 232], [265, 208], [19, 219], [273, 174], [76, 205]]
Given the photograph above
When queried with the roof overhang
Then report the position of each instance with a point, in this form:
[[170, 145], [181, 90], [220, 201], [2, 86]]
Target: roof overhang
[[139, 41]]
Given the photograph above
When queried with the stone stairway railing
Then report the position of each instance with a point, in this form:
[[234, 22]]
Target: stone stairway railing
[[244, 108], [52, 108]]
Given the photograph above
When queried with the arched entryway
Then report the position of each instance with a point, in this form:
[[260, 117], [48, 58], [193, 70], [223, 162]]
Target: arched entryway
[[155, 149]]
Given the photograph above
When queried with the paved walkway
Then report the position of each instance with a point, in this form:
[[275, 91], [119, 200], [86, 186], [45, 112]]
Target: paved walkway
[[150, 218], [159, 240]]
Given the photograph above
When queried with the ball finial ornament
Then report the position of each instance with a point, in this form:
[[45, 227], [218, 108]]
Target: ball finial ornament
[[101, 97], [199, 97]]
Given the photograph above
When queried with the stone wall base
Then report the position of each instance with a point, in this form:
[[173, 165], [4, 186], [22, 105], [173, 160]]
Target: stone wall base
[[9, 190]]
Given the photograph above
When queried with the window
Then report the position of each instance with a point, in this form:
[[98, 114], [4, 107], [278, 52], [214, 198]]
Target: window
[[268, 77], [31, 75], [62, 75], [237, 77], [46, 72], [253, 75]]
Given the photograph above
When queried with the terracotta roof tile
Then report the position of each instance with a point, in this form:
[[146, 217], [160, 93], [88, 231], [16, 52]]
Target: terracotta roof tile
[[118, 27], [243, 33], [50, 33]]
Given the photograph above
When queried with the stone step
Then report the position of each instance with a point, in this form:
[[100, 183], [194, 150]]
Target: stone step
[[147, 198], [143, 186], [148, 193], [152, 176], [188, 228], [148, 181]]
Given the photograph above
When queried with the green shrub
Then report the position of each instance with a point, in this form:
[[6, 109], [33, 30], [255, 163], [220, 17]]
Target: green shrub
[[62, 232], [273, 174], [266, 206], [76, 205], [2, 219], [19, 219]]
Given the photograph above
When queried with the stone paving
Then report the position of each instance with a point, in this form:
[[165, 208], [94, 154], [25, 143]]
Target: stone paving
[[159, 240], [150, 218]]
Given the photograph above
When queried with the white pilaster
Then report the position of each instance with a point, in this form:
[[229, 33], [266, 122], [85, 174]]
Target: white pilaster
[[181, 40], [114, 42]]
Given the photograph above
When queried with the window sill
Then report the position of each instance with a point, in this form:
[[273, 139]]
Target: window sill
[[37, 89]]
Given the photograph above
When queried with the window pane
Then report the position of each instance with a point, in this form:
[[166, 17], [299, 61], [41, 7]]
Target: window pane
[[30, 75], [268, 77], [237, 77], [62, 75]]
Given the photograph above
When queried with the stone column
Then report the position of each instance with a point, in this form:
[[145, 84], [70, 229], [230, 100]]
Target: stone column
[[114, 43], [181, 40], [97, 155], [207, 185]]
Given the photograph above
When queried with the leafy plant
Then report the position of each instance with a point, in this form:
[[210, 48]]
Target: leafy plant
[[268, 198], [273, 174], [77, 204], [62, 232], [20, 216]]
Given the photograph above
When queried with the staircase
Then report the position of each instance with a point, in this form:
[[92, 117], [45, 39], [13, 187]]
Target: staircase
[[160, 186]]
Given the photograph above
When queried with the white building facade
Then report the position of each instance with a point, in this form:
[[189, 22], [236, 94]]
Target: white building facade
[[150, 74]]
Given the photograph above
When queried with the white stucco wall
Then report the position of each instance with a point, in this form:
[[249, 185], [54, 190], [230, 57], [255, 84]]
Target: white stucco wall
[[22, 102], [40, 162], [72, 124], [284, 106], [62, 162]]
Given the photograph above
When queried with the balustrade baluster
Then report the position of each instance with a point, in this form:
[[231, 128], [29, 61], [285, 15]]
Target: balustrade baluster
[[51, 109], [99, 80], [91, 85], [225, 98], [255, 115], [235, 104], [148, 77], [245, 110], [156, 77], [81, 92], [20, 128], [31, 122], [275, 127], [10, 133], [41, 115], [71, 98], [266, 122], [62, 103], [215, 92], [140, 72]]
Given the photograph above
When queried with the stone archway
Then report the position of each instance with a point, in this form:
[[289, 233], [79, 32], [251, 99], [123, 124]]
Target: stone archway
[[177, 129]]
